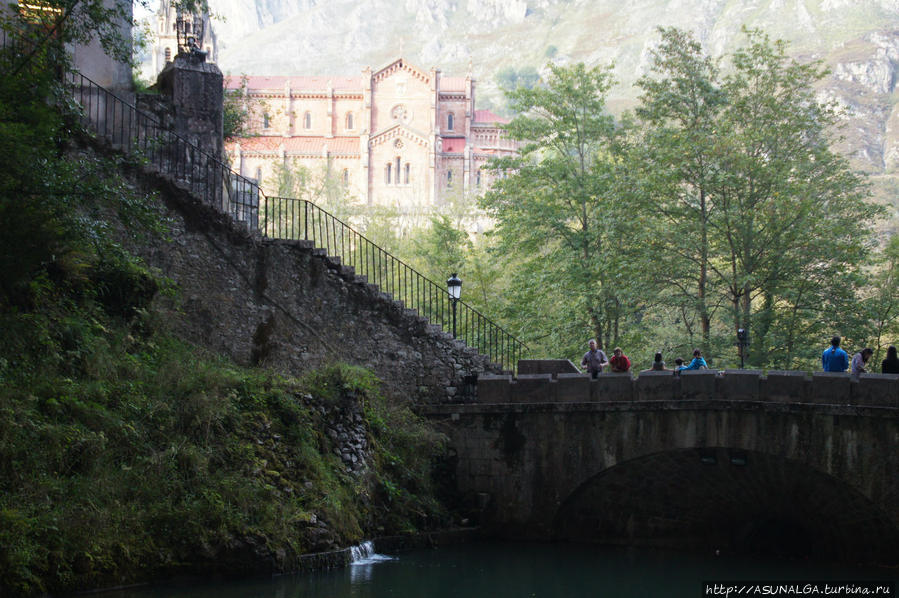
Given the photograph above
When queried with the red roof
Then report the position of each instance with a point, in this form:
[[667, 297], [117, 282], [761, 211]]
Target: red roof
[[485, 116], [453, 145], [256, 83], [298, 145]]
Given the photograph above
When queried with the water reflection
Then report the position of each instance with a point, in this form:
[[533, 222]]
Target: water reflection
[[512, 570], [361, 571]]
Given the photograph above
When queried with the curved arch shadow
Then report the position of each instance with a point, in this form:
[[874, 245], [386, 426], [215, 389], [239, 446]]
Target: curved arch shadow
[[729, 500]]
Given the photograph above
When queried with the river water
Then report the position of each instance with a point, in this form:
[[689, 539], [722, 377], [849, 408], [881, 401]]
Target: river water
[[521, 570]]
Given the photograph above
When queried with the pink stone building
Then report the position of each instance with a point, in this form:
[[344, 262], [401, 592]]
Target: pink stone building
[[398, 136]]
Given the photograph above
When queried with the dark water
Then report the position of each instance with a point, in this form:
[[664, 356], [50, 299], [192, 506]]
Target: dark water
[[517, 570]]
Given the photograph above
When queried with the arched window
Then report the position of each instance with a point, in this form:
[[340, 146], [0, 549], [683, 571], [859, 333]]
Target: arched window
[[478, 178], [449, 178], [168, 54], [406, 178], [349, 121], [388, 173], [450, 121], [258, 174], [307, 120], [346, 176], [266, 121], [397, 170]]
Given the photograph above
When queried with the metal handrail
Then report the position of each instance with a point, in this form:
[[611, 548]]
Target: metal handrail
[[134, 132], [299, 219]]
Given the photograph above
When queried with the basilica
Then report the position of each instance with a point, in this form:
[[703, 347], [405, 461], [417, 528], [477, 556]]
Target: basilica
[[398, 136]]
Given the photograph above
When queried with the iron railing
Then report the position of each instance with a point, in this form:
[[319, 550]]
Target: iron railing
[[287, 218], [132, 131], [125, 127]]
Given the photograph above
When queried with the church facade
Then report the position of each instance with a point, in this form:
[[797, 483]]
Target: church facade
[[399, 136]]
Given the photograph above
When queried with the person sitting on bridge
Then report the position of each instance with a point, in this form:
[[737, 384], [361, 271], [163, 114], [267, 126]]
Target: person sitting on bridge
[[619, 362], [698, 362], [595, 359], [678, 364], [657, 365], [860, 360], [834, 359], [890, 365]]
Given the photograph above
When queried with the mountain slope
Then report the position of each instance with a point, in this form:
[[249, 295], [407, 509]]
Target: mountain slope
[[857, 39]]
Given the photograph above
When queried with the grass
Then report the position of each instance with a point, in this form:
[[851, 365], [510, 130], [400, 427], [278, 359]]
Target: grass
[[127, 454]]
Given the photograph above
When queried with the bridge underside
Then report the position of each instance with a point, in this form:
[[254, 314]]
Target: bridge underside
[[729, 500]]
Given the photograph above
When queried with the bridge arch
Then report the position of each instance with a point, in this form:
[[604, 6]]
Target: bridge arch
[[701, 474], [729, 500]]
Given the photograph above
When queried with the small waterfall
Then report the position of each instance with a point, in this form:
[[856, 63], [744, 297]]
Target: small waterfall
[[364, 554]]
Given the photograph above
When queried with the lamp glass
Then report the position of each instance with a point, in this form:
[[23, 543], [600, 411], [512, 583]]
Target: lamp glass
[[454, 286]]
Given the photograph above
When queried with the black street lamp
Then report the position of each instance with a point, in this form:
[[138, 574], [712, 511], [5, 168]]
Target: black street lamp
[[454, 286]]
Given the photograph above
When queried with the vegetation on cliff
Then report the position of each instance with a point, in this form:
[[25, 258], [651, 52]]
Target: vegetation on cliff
[[128, 454]]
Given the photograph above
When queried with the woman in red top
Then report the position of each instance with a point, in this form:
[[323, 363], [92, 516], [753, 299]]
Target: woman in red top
[[620, 362]]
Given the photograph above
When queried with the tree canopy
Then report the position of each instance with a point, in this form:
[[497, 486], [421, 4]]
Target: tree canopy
[[717, 205]]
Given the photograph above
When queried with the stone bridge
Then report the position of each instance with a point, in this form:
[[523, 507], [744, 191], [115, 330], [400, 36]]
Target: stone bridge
[[785, 463]]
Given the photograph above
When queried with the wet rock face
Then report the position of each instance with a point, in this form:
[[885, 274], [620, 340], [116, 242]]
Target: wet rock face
[[347, 431]]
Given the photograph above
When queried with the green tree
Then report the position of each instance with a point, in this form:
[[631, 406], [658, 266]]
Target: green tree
[[510, 78], [883, 299], [324, 187], [680, 104], [790, 215], [558, 206], [236, 111], [752, 210], [441, 248]]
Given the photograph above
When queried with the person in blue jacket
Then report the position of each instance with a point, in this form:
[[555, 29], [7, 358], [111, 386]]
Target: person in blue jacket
[[834, 359], [698, 362]]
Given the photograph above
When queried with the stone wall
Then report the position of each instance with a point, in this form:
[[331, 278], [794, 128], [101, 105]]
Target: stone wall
[[706, 475], [287, 306], [748, 385]]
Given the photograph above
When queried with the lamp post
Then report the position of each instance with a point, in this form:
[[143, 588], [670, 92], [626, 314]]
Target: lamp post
[[454, 286]]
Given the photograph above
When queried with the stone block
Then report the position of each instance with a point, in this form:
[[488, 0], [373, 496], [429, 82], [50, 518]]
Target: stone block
[[784, 386], [741, 385], [880, 390], [656, 386], [697, 385], [546, 366], [494, 389], [829, 388], [532, 388], [613, 387], [572, 388]]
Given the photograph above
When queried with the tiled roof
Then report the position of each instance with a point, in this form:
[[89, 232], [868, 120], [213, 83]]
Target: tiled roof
[[452, 83], [255, 82], [453, 145], [485, 116], [298, 145]]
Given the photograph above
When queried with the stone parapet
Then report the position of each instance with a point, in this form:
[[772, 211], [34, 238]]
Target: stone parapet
[[547, 366], [824, 388]]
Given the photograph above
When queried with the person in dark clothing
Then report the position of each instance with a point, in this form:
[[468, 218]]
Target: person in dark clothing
[[890, 365]]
